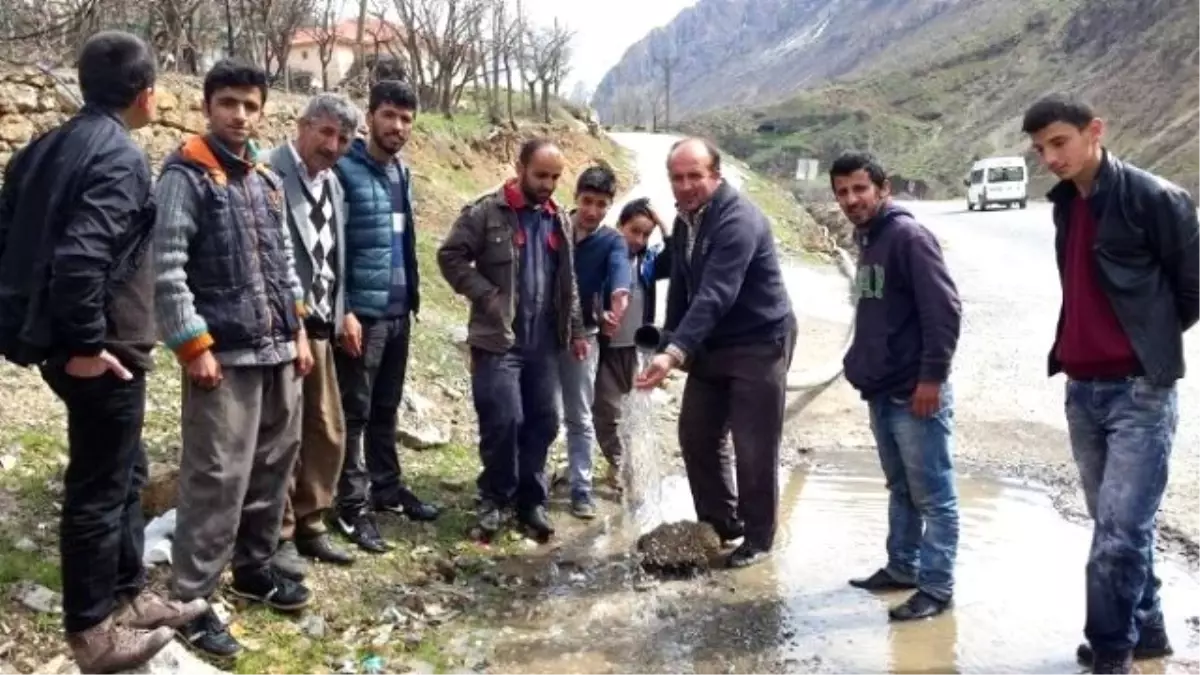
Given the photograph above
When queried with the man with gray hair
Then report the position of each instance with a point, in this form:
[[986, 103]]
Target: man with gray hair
[[316, 220]]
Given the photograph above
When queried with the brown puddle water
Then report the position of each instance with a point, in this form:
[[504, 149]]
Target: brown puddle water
[[1018, 606]]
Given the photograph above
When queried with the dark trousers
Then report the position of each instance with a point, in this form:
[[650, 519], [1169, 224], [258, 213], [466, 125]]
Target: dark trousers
[[614, 380], [372, 388], [516, 400], [740, 389], [101, 533]]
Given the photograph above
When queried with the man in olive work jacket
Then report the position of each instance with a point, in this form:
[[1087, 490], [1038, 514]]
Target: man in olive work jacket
[[1126, 243], [510, 253]]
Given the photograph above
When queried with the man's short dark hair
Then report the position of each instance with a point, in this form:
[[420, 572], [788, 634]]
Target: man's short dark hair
[[234, 74], [637, 207], [709, 147], [114, 67], [598, 179], [850, 162], [393, 92], [1057, 108], [531, 147]]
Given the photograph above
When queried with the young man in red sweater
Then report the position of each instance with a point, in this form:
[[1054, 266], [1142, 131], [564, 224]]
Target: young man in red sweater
[[1126, 242]]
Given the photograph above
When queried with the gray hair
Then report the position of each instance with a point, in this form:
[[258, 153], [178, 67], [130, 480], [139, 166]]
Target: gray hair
[[333, 106]]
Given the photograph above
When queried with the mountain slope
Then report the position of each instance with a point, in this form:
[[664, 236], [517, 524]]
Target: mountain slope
[[926, 84]]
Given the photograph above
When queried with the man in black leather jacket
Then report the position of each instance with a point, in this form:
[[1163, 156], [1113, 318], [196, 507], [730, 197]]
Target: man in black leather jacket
[[1126, 242]]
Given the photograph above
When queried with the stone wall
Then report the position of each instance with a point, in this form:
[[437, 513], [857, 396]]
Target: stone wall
[[32, 102]]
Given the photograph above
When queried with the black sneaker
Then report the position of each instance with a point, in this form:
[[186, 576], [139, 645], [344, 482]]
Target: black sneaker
[[287, 561], [538, 523], [362, 529], [583, 508], [207, 634], [882, 580], [745, 555], [272, 589], [409, 506], [489, 518], [920, 605], [1113, 662], [1152, 643]]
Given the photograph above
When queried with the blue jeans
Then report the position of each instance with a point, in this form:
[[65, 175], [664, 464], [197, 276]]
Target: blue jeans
[[916, 457], [578, 380], [516, 400], [1121, 436]]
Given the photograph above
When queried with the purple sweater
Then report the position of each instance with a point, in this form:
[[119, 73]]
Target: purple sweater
[[908, 317]]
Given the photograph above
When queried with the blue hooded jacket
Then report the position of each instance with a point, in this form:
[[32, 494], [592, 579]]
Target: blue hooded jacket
[[369, 234]]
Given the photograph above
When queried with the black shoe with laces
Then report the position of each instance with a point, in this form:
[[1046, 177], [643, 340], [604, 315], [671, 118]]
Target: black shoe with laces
[[272, 589], [1112, 662], [882, 580], [409, 506], [537, 520], [920, 605], [207, 634], [362, 529], [489, 518], [1152, 643]]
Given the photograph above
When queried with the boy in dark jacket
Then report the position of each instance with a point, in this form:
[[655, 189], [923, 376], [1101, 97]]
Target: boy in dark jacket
[[618, 355], [76, 298], [229, 304], [906, 331], [602, 274]]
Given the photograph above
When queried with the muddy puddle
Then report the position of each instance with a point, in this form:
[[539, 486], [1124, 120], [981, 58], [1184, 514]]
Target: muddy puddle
[[1019, 599]]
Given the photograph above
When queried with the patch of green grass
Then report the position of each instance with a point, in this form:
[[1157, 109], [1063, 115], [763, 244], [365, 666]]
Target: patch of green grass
[[32, 566]]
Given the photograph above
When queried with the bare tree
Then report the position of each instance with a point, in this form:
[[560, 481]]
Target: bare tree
[[273, 24], [325, 35], [546, 53], [438, 39]]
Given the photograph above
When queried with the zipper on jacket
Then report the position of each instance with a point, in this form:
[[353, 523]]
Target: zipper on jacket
[[261, 280]]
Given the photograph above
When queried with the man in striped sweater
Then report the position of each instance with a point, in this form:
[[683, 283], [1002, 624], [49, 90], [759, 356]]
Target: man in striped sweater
[[229, 304]]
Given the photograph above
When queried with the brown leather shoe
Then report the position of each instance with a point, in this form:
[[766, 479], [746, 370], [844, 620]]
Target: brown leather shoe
[[149, 610], [109, 648]]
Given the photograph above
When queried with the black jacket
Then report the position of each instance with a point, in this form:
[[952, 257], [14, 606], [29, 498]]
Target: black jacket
[[1147, 258], [731, 290], [76, 218]]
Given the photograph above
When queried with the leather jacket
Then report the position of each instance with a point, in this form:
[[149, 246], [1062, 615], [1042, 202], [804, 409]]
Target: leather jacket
[[1147, 257]]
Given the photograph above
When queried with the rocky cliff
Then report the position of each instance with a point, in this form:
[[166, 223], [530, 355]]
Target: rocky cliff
[[927, 84]]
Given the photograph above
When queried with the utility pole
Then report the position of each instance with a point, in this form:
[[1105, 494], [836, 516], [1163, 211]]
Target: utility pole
[[667, 64]]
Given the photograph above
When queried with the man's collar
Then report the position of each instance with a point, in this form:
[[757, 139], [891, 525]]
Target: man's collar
[[515, 198]]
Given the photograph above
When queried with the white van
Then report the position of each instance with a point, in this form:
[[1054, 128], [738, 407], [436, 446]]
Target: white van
[[997, 180]]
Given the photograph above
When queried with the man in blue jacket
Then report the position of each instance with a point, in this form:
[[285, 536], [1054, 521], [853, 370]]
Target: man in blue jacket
[[382, 296], [730, 324], [602, 274], [906, 330]]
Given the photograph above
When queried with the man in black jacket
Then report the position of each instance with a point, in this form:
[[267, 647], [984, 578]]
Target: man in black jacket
[[1126, 242], [730, 323], [76, 299]]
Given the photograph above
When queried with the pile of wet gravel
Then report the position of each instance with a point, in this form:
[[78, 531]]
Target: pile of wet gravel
[[679, 550]]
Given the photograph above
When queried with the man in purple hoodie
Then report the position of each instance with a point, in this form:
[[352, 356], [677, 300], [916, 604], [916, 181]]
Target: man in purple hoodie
[[906, 331]]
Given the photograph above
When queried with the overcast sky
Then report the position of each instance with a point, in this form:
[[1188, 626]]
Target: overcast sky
[[604, 29]]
